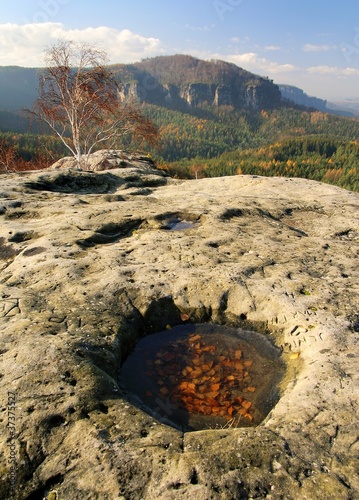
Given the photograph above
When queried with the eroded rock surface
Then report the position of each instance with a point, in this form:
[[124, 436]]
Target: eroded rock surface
[[106, 159], [92, 261]]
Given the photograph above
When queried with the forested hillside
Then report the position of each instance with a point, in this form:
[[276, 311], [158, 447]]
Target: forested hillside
[[222, 141], [207, 132], [283, 142], [329, 160]]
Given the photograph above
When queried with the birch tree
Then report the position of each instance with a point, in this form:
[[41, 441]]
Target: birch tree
[[79, 101]]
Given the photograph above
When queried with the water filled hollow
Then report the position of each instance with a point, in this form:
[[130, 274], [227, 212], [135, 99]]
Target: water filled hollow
[[204, 376], [177, 224]]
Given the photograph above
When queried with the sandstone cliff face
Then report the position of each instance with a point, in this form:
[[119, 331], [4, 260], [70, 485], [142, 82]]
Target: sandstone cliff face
[[253, 95], [192, 82], [88, 265]]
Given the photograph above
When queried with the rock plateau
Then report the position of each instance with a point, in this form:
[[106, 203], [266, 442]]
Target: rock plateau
[[89, 264]]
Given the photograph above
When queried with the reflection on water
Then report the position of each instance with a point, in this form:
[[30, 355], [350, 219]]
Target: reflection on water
[[179, 225], [204, 376]]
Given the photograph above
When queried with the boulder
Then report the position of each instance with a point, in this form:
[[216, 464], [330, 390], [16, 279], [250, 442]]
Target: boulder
[[106, 159], [92, 261]]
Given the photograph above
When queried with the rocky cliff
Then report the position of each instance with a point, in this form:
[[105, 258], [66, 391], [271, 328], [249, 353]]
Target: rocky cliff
[[183, 80], [89, 263], [297, 96]]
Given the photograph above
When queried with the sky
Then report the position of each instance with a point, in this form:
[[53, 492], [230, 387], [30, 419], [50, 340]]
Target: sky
[[312, 44]]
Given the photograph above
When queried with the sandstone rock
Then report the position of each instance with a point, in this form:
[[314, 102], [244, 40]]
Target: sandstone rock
[[106, 159], [90, 262]]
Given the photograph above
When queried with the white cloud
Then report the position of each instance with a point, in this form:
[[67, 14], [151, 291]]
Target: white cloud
[[270, 48], [308, 47], [24, 45], [333, 70], [253, 62]]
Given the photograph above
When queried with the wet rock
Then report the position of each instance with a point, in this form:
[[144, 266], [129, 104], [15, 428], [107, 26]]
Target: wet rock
[[274, 255]]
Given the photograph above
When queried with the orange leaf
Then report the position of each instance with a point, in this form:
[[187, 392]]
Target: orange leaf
[[212, 401], [212, 394], [246, 404]]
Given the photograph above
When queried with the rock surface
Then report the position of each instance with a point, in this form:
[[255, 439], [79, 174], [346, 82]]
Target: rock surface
[[106, 159], [89, 263]]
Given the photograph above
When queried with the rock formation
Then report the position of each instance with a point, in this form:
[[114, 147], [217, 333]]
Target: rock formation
[[88, 265], [178, 81], [106, 159], [296, 95]]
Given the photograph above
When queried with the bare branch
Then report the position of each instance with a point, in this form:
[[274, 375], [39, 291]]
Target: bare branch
[[79, 101]]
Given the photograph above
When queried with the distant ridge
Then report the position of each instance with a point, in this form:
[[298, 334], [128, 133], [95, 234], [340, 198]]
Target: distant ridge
[[179, 81], [183, 80], [298, 96]]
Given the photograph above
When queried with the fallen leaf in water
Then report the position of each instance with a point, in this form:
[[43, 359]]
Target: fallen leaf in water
[[184, 317], [201, 383], [169, 356], [250, 389], [246, 404], [247, 364]]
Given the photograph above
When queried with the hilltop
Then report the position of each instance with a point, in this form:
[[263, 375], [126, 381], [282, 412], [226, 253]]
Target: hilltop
[[175, 81], [171, 81]]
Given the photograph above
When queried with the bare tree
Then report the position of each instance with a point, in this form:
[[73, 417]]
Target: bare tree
[[79, 100], [8, 157]]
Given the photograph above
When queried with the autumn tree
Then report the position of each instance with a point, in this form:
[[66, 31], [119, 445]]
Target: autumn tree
[[8, 156], [79, 101]]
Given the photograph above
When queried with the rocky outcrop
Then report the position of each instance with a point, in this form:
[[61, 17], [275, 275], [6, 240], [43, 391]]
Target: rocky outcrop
[[89, 264], [106, 159], [254, 95], [178, 81]]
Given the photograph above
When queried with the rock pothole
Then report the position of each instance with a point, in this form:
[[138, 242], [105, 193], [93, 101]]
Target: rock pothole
[[110, 233], [178, 221], [206, 376]]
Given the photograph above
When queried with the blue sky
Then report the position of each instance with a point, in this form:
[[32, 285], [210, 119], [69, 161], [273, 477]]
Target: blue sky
[[312, 44]]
